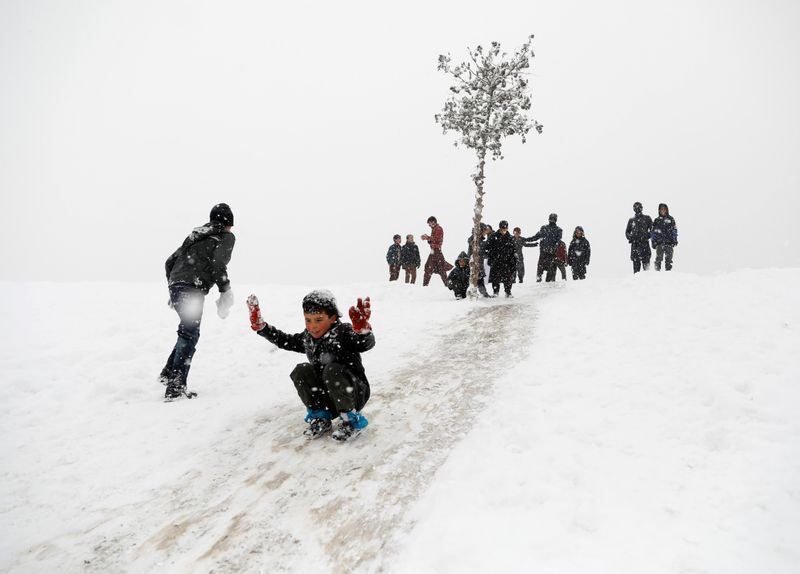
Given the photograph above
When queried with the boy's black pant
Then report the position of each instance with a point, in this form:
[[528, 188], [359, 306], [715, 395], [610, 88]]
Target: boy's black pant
[[664, 252], [640, 255], [506, 278], [188, 303], [578, 271], [547, 262], [519, 272], [336, 389]]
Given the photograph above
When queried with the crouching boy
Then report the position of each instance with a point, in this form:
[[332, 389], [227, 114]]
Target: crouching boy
[[458, 280], [332, 384]]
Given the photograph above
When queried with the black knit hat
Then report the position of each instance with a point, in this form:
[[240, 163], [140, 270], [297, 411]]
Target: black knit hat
[[321, 301], [503, 224], [553, 217], [221, 213]]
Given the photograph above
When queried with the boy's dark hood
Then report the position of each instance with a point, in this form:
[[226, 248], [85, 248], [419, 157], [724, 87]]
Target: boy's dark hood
[[665, 206], [577, 229], [199, 233], [462, 255]]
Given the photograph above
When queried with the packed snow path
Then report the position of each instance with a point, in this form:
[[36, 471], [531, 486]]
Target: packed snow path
[[271, 500]]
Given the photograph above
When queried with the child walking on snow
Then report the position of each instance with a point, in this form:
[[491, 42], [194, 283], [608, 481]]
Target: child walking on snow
[[579, 254], [393, 258], [332, 384], [409, 259], [561, 260]]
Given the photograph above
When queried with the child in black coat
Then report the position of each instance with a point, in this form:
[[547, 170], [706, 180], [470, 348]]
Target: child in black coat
[[409, 259], [458, 280], [579, 254], [393, 258], [333, 382]]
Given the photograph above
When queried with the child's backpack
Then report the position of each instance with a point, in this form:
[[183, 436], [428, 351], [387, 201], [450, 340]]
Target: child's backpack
[[561, 252]]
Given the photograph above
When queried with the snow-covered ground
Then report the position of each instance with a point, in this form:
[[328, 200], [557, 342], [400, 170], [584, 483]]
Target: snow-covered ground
[[643, 424]]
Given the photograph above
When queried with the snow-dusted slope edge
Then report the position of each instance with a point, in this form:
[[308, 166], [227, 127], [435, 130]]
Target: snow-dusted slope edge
[[653, 428], [630, 425]]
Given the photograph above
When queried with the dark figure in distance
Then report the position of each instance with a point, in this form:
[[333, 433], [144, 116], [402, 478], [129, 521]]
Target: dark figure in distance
[[638, 233], [393, 258], [579, 254], [436, 262], [561, 259], [549, 236], [520, 243], [409, 259], [501, 254], [664, 237]]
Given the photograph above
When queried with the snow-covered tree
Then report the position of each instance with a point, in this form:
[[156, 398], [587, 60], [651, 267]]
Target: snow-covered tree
[[489, 102]]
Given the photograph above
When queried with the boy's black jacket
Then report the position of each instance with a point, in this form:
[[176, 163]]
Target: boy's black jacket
[[393, 254], [339, 345], [409, 255], [549, 236], [203, 258]]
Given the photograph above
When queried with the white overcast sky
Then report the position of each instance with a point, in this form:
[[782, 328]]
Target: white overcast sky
[[122, 123]]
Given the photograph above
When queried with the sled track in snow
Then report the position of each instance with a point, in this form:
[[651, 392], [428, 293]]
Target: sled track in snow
[[277, 502]]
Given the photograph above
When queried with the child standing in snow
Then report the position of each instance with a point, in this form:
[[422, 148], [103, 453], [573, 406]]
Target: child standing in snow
[[332, 384], [393, 258], [458, 280], [561, 260], [436, 262], [579, 254], [409, 259]]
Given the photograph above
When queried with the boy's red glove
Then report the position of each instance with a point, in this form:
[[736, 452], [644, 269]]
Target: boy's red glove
[[256, 322], [359, 316]]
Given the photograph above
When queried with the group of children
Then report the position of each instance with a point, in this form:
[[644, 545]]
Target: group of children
[[332, 384], [500, 258], [405, 257]]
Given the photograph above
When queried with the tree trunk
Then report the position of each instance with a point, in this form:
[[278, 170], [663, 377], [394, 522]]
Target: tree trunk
[[475, 263]]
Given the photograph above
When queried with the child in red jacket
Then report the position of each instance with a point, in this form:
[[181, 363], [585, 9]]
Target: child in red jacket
[[561, 259]]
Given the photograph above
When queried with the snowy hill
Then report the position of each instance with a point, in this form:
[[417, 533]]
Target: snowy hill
[[644, 424]]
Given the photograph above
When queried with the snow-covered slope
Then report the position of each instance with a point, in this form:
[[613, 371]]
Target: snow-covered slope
[[628, 425]]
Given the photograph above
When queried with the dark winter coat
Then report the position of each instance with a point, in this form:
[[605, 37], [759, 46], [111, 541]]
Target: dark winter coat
[[340, 345], [458, 280], [665, 230], [202, 260], [501, 252], [393, 254], [579, 252], [549, 236], [639, 228], [519, 243], [409, 255]]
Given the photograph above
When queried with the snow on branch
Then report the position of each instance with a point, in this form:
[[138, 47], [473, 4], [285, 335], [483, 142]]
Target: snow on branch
[[490, 98]]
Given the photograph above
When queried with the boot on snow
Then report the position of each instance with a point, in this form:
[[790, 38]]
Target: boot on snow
[[352, 424], [176, 390], [319, 422]]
